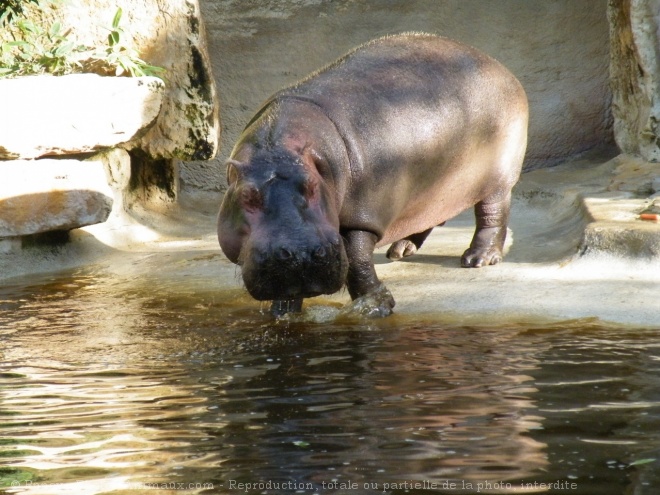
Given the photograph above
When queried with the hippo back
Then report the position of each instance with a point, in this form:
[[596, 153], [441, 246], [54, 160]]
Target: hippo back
[[430, 126]]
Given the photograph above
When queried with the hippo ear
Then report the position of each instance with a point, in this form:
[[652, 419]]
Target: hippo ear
[[234, 170]]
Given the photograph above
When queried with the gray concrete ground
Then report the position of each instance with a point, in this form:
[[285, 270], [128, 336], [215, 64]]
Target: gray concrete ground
[[576, 249]]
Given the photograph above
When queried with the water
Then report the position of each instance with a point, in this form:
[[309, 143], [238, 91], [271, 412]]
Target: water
[[117, 385]]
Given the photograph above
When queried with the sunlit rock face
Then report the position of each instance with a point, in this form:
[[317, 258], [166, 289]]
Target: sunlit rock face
[[49, 195], [158, 121], [635, 75], [165, 33], [78, 113]]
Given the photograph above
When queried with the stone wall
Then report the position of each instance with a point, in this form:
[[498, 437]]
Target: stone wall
[[559, 50]]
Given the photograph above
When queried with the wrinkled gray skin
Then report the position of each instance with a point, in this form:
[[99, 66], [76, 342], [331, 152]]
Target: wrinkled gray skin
[[395, 138]]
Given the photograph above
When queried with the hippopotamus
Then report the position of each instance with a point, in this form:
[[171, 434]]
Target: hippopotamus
[[381, 146]]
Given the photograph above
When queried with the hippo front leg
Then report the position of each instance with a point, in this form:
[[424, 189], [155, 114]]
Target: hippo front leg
[[487, 244], [370, 296]]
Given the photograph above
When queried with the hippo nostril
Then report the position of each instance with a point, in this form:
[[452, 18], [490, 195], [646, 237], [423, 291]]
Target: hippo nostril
[[284, 254], [319, 252]]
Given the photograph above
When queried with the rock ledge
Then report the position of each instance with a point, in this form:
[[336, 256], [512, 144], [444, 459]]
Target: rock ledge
[[79, 113]]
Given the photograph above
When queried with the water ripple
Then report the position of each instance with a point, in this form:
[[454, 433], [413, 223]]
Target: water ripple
[[108, 384]]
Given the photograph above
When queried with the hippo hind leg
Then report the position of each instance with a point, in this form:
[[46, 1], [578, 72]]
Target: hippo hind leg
[[409, 245], [487, 244]]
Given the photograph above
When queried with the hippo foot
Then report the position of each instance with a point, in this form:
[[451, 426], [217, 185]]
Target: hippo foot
[[476, 258], [376, 304], [282, 307], [401, 249]]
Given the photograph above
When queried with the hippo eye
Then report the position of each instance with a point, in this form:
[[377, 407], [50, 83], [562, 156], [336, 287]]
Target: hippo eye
[[251, 198]]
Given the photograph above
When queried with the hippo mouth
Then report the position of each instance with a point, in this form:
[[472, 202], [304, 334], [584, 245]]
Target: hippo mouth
[[296, 274], [275, 292], [269, 285]]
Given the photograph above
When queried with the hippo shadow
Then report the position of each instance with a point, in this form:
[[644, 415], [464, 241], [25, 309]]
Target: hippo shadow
[[546, 230], [541, 230], [445, 261]]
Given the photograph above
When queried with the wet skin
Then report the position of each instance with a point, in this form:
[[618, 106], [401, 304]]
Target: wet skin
[[394, 139]]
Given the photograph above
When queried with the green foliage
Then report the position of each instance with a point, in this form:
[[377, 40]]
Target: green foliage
[[12, 9], [121, 56], [38, 49]]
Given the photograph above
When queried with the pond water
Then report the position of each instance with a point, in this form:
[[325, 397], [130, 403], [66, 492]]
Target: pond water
[[111, 387]]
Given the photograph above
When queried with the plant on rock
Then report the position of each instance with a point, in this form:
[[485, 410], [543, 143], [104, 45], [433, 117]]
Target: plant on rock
[[119, 57], [39, 49], [10, 9]]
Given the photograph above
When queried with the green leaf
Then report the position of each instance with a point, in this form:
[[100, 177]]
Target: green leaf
[[28, 27], [55, 29], [27, 49], [113, 38], [64, 49], [17, 43], [117, 18], [150, 70]]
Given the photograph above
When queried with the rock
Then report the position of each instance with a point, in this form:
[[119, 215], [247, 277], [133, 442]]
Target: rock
[[78, 113], [117, 164], [165, 33], [169, 34], [635, 175], [635, 76], [47, 195], [188, 128]]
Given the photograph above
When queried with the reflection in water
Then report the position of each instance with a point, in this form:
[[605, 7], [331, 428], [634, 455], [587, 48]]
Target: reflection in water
[[114, 385]]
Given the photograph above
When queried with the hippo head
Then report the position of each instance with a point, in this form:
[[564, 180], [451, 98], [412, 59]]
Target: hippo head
[[279, 222]]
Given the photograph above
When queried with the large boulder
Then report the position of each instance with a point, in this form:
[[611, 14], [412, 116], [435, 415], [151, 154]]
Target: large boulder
[[169, 34], [165, 33], [73, 114], [47, 195]]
